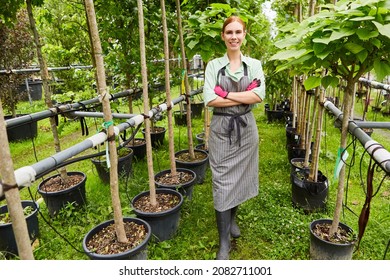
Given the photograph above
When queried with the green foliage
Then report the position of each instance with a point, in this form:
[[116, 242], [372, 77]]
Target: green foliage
[[9, 10], [347, 39]]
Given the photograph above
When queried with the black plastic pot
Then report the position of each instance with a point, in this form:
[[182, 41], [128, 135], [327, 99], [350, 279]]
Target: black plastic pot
[[307, 195], [7, 237], [201, 147], [324, 250], [157, 137], [199, 167], [292, 137], [55, 201], [185, 189], [275, 115], [139, 150], [35, 87], [124, 166], [180, 118], [140, 252], [196, 109], [164, 224], [293, 151], [200, 137], [22, 132]]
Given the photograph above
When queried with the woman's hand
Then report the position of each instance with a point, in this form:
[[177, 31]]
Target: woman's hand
[[254, 84], [220, 92]]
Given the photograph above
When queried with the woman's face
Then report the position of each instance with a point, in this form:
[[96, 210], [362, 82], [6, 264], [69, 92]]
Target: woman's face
[[233, 35]]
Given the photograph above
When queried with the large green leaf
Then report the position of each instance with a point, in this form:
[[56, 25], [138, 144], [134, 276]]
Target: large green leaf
[[336, 35], [284, 55], [383, 29], [330, 81], [362, 56], [287, 42], [312, 82], [369, 18], [193, 44], [353, 48], [382, 69], [365, 34]]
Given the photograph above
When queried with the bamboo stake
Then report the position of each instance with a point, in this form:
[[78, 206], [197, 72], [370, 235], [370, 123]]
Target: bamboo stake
[[168, 91], [186, 83], [147, 121], [15, 209]]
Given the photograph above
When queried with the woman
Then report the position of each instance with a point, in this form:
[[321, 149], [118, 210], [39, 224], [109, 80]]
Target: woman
[[233, 85]]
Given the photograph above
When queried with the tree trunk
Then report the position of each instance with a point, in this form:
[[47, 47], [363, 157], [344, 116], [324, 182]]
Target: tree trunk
[[168, 92], [347, 102], [149, 155], [186, 83], [108, 123], [313, 176], [45, 82], [15, 209]]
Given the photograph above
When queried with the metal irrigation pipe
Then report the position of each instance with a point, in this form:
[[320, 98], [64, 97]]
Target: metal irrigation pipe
[[28, 174], [374, 149], [25, 119], [32, 70], [375, 84]]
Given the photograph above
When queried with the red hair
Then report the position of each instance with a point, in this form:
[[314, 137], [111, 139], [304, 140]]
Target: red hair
[[233, 19]]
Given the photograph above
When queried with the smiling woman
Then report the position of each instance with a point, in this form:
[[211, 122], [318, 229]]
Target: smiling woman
[[234, 83]]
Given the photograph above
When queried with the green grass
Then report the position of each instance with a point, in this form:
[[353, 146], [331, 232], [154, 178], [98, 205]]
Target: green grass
[[271, 227]]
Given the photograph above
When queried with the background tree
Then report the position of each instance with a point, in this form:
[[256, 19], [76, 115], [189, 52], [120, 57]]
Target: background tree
[[16, 46]]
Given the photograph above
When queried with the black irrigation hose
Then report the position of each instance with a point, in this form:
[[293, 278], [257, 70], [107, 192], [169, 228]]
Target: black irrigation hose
[[52, 227]]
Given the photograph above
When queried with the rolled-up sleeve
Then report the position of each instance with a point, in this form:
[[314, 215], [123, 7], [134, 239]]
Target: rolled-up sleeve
[[257, 73], [209, 83]]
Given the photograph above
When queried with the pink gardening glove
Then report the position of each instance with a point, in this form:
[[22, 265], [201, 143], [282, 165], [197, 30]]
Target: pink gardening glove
[[220, 92], [254, 84]]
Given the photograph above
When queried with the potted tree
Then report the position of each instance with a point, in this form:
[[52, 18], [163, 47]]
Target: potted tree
[[343, 39], [120, 228], [160, 208], [180, 179], [68, 187]]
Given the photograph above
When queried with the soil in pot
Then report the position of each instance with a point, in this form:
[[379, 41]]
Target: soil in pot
[[198, 165], [139, 148], [7, 237], [163, 218], [101, 243], [57, 194], [326, 247], [183, 182], [125, 161]]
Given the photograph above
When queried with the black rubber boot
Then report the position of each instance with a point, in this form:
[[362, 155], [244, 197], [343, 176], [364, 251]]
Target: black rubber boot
[[223, 224], [234, 229]]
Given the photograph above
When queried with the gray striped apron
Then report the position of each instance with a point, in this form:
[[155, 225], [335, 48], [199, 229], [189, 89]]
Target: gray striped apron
[[233, 149]]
